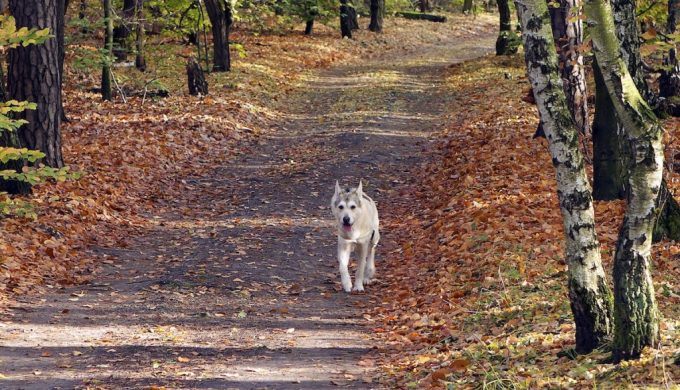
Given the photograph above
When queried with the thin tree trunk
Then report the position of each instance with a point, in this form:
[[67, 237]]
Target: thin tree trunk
[[353, 16], [33, 75], [628, 34], [219, 12], [467, 6], [309, 26], [609, 152], [345, 19], [123, 30], [108, 46], [140, 60], [377, 13], [196, 78], [424, 5], [589, 294], [635, 314], [672, 21], [568, 34], [503, 42], [61, 12]]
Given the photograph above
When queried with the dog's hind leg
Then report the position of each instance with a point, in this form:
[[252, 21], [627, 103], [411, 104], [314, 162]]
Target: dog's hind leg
[[344, 250], [370, 266], [361, 267]]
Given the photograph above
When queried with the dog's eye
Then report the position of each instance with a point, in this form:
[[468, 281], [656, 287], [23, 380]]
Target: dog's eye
[[341, 207], [353, 207]]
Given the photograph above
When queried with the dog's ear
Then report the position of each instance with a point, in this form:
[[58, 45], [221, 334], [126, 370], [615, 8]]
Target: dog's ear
[[337, 190], [360, 190]]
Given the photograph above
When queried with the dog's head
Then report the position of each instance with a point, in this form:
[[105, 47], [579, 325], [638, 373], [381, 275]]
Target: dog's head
[[346, 206]]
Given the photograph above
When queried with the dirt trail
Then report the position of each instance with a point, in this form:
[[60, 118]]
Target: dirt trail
[[243, 292]]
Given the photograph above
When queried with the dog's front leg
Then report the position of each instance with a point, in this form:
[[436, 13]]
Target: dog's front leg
[[370, 266], [344, 250], [359, 277]]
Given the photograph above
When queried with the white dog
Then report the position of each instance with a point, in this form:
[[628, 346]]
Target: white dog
[[357, 222]]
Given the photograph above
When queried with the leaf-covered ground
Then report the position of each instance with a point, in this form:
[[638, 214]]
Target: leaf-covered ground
[[209, 260], [135, 153], [198, 250], [480, 283]]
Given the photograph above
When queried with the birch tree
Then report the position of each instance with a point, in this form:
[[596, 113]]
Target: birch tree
[[589, 295], [635, 313]]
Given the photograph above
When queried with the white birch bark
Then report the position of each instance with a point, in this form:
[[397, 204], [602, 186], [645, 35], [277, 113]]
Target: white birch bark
[[589, 295], [635, 315]]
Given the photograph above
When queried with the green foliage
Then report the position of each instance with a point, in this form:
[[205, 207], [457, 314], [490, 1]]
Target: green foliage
[[11, 37]]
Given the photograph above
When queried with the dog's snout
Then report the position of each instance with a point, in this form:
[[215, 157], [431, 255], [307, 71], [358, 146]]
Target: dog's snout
[[345, 220]]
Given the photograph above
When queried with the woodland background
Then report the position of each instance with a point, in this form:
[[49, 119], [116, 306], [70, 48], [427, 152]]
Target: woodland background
[[483, 256]]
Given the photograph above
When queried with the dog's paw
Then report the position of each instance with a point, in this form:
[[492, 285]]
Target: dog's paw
[[368, 281], [347, 287], [358, 288]]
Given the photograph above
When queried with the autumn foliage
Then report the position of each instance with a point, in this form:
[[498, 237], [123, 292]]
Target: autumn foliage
[[478, 293]]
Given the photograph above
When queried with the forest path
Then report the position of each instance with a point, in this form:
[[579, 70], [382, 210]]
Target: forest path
[[238, 286]]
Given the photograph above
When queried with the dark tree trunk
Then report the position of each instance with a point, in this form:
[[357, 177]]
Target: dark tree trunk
[[345, 19], [504, 45], [220, 14], [309, 26], [108, 47], [123, 30], [425, 5], [467, 6], [196, 78], [609, 152], [672, 22], [140, 60], [377, 13], [33, 75], [353, 16], [669, 81], [63, 6], [567, 31]]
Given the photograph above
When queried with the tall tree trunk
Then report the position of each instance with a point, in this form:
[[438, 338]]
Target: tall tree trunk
[[122, 31], [503, 42], [309, 26], [345, 19], [467, 6], [140, 60], [636, 317], [609, 152], [220, 14], [628, 34], [108, 47], [589, 294], [672, 21], [353, 16], [34, 76], [61, 12], [567, 31], [377, 13], [424, 5]]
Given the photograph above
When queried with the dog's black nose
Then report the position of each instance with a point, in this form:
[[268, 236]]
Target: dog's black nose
[[345, 220]]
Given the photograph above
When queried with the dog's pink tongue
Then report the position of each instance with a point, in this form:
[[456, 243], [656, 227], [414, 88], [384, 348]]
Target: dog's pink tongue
[[347, 228]]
